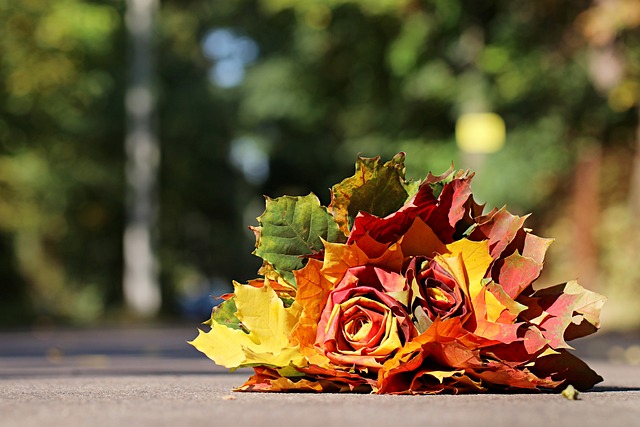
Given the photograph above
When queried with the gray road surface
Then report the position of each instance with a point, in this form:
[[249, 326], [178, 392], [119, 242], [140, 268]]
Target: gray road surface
[[151, 378]]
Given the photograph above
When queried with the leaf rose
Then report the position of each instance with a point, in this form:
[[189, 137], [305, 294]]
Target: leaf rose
[[363, 323], [436, 293]]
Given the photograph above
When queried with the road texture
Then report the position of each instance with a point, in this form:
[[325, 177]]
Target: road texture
[[151, 377]]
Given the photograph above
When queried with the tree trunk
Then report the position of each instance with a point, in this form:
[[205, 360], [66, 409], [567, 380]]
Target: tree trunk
[[634, 196], [140, 282], [586, 213]]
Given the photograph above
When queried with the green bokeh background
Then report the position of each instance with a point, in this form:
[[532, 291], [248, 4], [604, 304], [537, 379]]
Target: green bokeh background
[[329, 79]]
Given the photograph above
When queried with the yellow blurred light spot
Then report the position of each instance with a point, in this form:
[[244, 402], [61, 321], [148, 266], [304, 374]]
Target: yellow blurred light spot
[[480, 132]]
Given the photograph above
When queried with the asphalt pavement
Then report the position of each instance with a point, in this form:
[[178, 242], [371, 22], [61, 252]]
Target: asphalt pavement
[[151, 377]]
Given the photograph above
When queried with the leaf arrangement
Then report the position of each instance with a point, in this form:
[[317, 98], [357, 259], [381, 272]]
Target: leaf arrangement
[[403, 288]]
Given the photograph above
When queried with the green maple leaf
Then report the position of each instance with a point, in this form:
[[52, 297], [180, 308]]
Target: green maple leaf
[[290, 228], [379, 189], [225, 314]]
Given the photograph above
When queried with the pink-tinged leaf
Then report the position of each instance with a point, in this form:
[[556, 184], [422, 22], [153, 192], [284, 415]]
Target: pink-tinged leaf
[[564, 312], [534, 341], [528, 245], [588, 306], [515, 273], [503, 332], [535, 247], [554, 327], [517, 353], [566, 369], [551, 314], [578, 308], [500, 227]]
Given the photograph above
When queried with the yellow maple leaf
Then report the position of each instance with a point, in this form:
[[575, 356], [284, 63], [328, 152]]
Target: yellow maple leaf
[[269, 323], [475, 259]]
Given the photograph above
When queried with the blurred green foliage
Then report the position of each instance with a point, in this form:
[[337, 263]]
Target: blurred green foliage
[[60, 157], [332, 79]]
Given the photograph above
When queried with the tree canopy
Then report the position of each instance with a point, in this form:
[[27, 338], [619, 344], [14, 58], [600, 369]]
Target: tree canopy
[[274, 97]]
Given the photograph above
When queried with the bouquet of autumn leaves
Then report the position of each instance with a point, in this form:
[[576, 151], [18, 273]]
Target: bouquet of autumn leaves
[[403, 288]]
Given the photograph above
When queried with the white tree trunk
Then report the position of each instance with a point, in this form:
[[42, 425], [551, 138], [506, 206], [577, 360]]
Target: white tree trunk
[[140, 282]]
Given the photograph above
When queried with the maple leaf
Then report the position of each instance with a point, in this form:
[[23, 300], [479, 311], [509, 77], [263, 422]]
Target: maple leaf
[[434, 362], [451, 204], [500, 228], [262, 313], [290, 228], [531, 246], [563, 312], [374, 188], [468, 261], [421, 240], [313, 290], [338, 258], [389, 228], [441, 213], [516, 272], [494, 311], [310, 379], [565, 368], [448, 359]]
